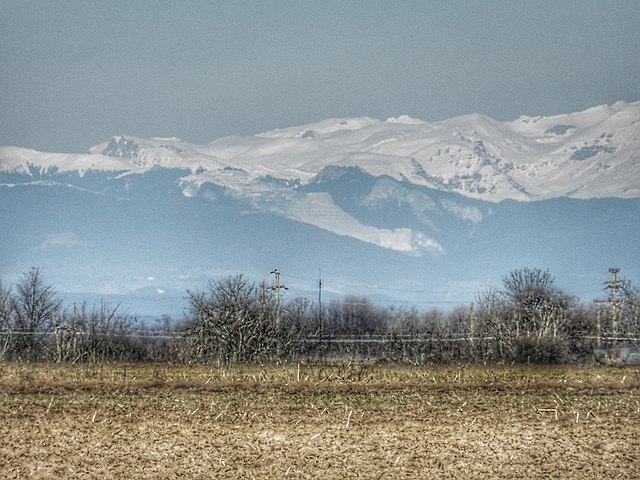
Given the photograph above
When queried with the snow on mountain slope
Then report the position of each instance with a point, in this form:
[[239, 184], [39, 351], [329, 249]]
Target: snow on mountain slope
[[587, 154], [28, 162], [318, 209]]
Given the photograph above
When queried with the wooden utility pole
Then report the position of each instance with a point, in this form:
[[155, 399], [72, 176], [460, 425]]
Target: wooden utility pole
[[320, 302]]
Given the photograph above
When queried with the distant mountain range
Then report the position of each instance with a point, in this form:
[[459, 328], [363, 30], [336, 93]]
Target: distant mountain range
[[400, 210]]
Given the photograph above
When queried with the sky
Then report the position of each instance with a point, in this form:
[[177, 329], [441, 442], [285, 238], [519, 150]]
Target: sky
[[75, 73]]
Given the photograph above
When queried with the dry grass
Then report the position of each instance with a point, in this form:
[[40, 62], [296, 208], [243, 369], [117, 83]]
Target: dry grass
[[158, 421]]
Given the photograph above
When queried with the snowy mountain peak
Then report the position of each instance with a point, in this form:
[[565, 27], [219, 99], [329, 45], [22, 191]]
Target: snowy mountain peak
[[323, 127], [121, 147], [406, 120], [593, 153]]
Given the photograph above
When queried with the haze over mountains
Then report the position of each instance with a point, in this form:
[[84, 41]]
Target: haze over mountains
[[400, 210]]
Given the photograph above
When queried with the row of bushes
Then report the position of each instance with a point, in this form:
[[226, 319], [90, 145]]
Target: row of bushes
[[236, 321]]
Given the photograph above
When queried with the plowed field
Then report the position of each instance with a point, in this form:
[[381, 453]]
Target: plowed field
[[124, 421]]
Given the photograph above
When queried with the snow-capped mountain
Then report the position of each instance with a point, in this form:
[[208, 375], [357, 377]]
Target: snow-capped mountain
[[588, 154], [432, 193]]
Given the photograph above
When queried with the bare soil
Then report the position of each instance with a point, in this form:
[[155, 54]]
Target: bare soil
[[158, 421]]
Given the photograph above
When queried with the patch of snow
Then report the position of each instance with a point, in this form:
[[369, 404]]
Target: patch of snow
[[318, 209], [405, 120]]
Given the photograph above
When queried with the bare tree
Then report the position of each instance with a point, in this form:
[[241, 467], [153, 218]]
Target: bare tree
[[299, 320], [527, 317], [7, 321], [107, 333], [233, 322], [94, 334], [580, 332], [539, 308], [355, 315], [493, 319], [36, 307]]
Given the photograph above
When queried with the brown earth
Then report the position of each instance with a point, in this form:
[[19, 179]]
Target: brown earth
[[126, 421]]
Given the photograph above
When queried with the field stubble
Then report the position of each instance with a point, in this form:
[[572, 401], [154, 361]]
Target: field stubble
[[311, 421]]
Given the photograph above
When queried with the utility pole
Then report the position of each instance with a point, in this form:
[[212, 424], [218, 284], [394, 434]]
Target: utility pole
[[320, 301], [599, 326], [277, 289], [613, 285]]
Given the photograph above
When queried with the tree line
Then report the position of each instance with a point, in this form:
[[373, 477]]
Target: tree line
[[525, 319]]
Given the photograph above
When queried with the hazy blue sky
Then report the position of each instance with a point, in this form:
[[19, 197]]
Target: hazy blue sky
[[73, 73]]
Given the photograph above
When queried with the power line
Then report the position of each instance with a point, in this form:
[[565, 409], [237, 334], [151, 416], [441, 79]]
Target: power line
[[582, 291], [169, 335], [367, 286]]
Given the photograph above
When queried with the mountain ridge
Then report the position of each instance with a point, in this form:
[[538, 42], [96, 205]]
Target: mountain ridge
[[593, 153]]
